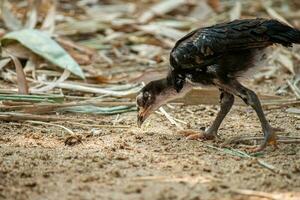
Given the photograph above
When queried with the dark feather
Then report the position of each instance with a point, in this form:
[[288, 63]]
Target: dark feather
[[229, 47]]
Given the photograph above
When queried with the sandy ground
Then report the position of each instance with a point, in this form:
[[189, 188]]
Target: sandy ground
[[150, 163]]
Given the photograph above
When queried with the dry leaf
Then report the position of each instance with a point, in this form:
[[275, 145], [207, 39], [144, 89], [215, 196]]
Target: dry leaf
[[156, 29], [276, 15], [215, 4], [17, 50], [32, 15], [286, 62], [4, 62], [162, 7], [150, 75], [10, 21], [235, 13], [147, 51], [201, 11], [293, 110], [49, 21], [22, 82], [51, 86]]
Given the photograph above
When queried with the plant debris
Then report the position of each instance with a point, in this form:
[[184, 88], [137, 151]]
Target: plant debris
[[70, 72]]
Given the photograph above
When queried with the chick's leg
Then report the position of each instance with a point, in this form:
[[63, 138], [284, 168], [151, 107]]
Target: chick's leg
[[251, 99], [226, 102]]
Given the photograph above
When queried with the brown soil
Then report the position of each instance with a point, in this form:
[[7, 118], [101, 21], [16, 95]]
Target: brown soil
[[44, 162]]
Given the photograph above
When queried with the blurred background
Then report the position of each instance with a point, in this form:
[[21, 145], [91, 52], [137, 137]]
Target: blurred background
[[60, 57], [116, 42]]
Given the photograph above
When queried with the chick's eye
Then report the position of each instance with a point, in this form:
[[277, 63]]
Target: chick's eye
[[146, 96], [140, 102]]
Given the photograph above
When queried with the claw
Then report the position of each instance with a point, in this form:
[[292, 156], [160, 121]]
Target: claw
[[197, 135], [271, 141]]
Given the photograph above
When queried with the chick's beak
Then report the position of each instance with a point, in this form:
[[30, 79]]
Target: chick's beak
[[143, 114]]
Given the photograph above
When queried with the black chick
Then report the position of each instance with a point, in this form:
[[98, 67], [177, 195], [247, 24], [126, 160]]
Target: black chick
[[218, 55]]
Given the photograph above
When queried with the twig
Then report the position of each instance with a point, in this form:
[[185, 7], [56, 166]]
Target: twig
[[180, 121], [281, 104], [242, 154], [259, 194], [295, 111], [50, 86], [168, 116], [97, 125], [289, 141], [281, 139], [57, 125], [106, 58], [294, 89], [193, 179], [49, 21], [197, 96], [175, 119], [96, 90], [116, 119], [46, 108], [22, 83], [15, 103], [9, 116]]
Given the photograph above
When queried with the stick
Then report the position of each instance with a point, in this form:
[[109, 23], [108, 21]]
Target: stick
[[57, 125], [294, 89], [23, 117], [22, 82], [168, 116], [259, 194], [97, 125], [46, 108], [180, 121], [96, 90], [52, 85], [281, 139]]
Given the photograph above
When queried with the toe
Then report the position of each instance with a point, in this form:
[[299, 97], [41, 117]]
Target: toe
[[257, 149], [188, 132], [196, 136]]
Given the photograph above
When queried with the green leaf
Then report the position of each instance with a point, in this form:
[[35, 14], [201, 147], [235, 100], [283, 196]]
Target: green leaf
[[99, 110], [43, 45], [32, 98]]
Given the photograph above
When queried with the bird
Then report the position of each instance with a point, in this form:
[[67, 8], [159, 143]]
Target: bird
[[218, 55]]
